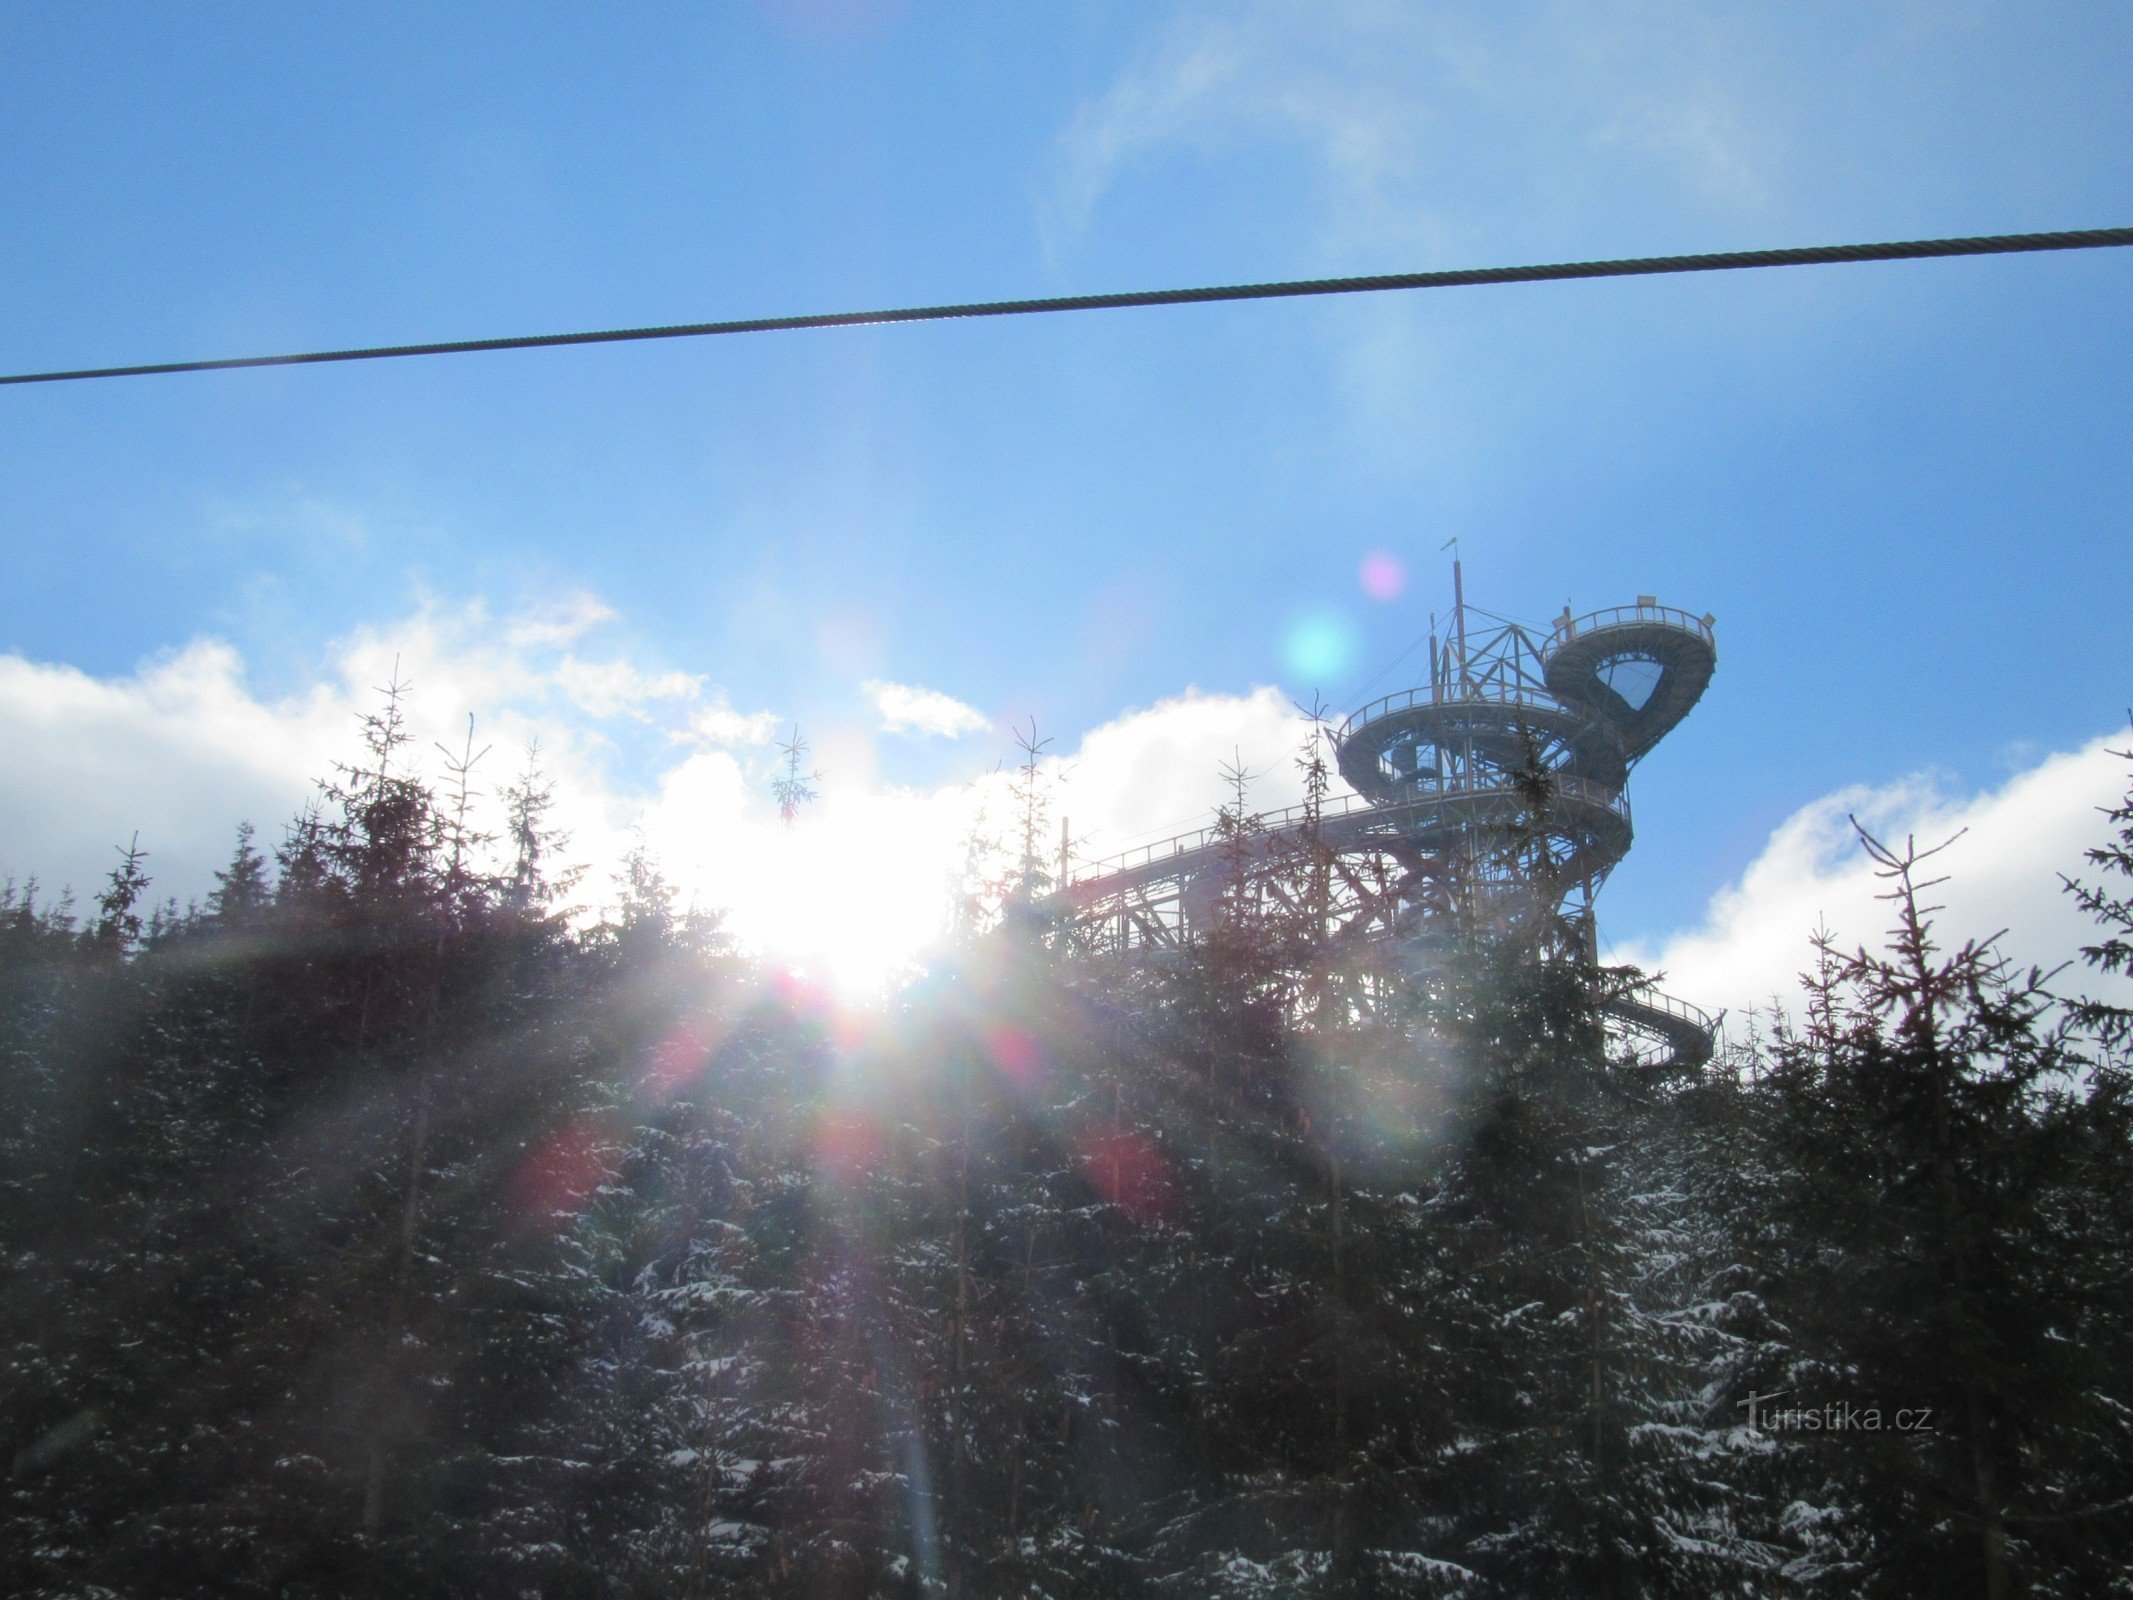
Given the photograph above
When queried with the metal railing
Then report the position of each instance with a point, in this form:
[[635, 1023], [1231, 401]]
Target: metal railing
[[1455, 692], [1649, 999], [1582, 790], [1187, 843], [1569, 628]]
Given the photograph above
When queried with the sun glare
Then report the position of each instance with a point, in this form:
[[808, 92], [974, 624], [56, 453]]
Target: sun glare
[[849, 897]]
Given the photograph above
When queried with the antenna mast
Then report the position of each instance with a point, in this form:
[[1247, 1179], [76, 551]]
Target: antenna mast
[[1459, 613]]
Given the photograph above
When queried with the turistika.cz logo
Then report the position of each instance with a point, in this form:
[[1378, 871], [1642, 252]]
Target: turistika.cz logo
[[1836, 1416]]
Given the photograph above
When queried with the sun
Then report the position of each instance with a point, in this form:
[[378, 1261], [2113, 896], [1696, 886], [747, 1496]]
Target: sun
[[850, 896]]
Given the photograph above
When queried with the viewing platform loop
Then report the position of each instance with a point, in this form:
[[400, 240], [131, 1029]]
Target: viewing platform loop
[[1494, 790]]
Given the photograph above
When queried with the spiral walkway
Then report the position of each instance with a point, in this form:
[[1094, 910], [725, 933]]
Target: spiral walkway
[[1499, 783]]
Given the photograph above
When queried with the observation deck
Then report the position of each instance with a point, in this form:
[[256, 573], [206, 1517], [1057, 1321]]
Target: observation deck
[[1643, 666]]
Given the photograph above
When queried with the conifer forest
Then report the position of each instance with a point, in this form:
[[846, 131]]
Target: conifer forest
[[415, 1217]]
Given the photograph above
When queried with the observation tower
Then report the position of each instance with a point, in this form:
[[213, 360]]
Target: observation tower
[[1496, 789]]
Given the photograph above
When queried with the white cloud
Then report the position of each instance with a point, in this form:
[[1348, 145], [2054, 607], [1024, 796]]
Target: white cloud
[[1385, 135], [2003, 874], [1418, 119], [615, 687], [178, 751], [1314, 75], [717, 723], [1148, 774], [563, 623], [184, 747], [905, 708]]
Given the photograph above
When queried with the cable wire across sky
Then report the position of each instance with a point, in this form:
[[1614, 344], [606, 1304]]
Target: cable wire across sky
[[1457, 278]]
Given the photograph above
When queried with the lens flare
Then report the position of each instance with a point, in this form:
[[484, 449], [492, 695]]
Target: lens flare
[[675, 1062], [1129, 1172], [1017, 1055], [848, 1144], [1320, 647], [561, 1172], [1382, 576]]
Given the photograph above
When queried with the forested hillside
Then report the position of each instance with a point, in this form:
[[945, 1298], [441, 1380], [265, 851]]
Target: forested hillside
[[387, 1226]]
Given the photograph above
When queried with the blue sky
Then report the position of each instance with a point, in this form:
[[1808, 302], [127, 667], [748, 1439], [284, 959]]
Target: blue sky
[[1902, 489]]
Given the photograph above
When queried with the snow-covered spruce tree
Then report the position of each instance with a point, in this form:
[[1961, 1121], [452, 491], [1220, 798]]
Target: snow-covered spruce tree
[[1515, 1279], [151, 1275], [1724, 1509], [645, 1464], [2094, 1205], [2109, 903], [1944, 1268], [148, 1276], [1546, 1366], [269, 1274], [66, 999], [1286, 1254], [945, 1213]]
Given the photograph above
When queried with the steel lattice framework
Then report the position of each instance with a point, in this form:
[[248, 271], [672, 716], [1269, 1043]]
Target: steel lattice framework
[[1497, 787]]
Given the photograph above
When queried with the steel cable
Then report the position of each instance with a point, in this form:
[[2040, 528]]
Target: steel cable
[[1643, 266]]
